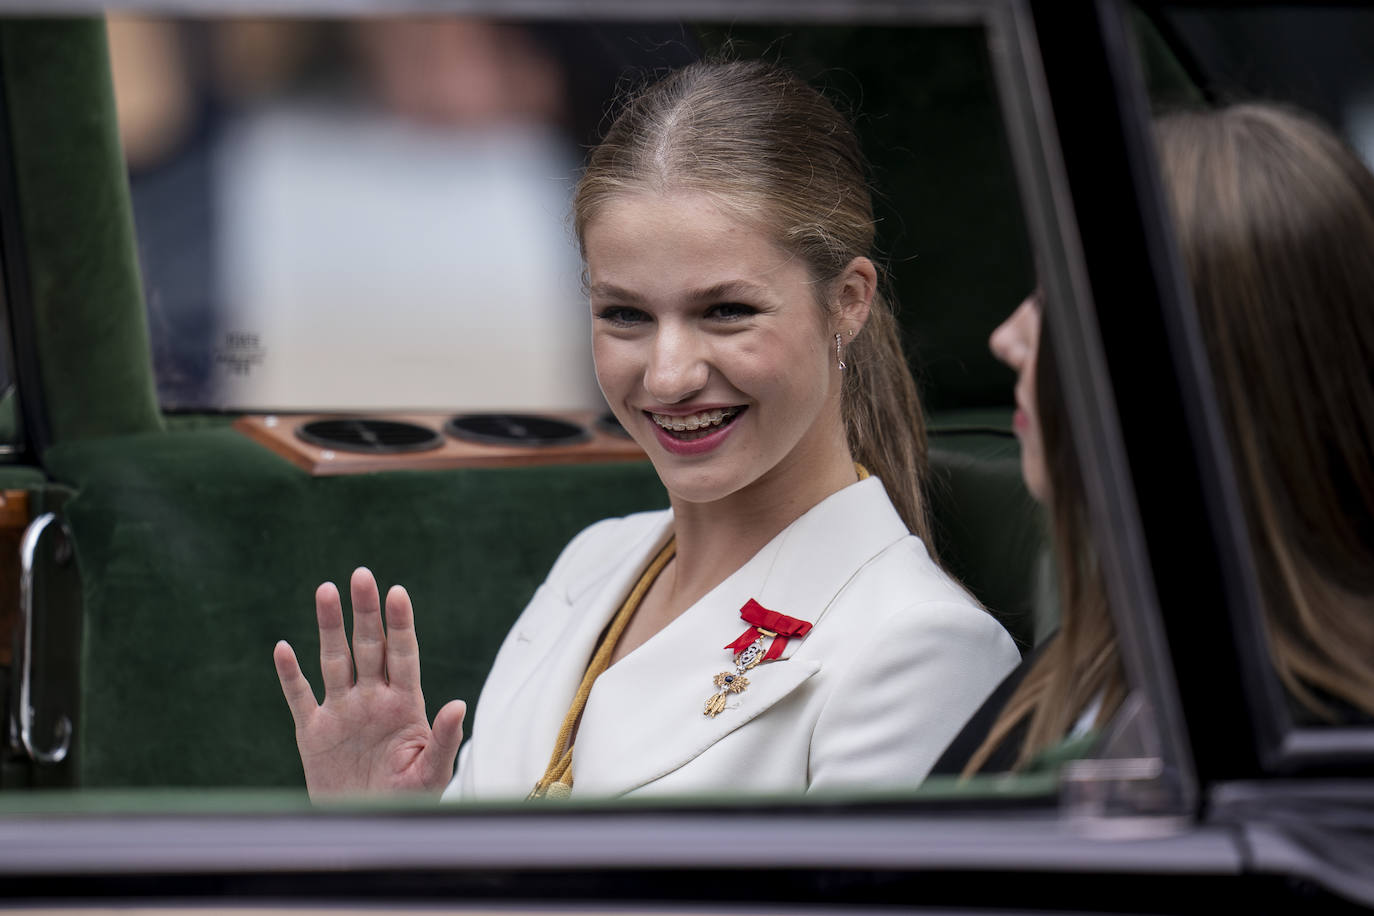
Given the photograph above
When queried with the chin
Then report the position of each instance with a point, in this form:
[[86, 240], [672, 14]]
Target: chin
[[698, 488], [1037, 483]]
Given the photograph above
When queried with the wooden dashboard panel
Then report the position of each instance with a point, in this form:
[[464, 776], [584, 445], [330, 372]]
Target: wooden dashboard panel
[[278, 433]]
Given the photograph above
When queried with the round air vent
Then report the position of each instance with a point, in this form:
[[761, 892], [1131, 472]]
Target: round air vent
[[515, 429], [375, 437], [608, 424]]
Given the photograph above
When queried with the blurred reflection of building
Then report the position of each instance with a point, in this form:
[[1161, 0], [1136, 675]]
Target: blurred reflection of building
[[358, 216]]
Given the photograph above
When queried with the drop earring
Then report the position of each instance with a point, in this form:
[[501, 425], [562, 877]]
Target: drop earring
[[839, 354]]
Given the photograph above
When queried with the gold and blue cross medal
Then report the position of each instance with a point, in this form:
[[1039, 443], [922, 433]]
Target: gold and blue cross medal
[[748, 650], [728, 683]]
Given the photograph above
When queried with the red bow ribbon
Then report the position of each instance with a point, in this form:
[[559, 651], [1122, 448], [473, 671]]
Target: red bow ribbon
[[760, 618]]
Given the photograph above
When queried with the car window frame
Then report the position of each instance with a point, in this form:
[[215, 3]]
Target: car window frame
[[17, 331], [1233, 707], [1037, 106]]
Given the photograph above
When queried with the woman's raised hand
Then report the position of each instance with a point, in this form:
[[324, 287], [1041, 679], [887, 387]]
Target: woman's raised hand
[[370, 734]]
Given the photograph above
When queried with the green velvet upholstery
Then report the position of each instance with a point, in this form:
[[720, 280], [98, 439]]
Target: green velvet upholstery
[[20, 477], [989, 531], [198, 550], [77, 228]]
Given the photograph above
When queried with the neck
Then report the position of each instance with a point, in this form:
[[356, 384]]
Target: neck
[[715, 539]]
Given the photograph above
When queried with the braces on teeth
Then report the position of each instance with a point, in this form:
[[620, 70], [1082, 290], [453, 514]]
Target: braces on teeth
[[703, 420]]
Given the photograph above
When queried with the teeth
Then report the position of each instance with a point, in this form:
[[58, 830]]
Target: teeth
[[702, 420]]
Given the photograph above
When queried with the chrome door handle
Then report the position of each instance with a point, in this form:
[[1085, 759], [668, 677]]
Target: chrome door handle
[[21, 721]]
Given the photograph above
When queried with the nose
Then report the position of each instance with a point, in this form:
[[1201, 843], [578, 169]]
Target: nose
[[1010, 341], [678, 366]]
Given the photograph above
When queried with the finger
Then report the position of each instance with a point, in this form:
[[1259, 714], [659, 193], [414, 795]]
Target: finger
[[336, 664], [402, 648], [369, 642], [299, 697], [447, 736]]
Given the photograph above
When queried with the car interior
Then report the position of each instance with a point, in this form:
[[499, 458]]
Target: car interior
[[186, 548], [273, 309]]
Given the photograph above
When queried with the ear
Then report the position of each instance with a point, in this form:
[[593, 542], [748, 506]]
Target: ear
[[854, 292]]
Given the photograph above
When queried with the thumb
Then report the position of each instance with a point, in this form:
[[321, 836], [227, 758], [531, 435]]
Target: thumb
[[447, 734]]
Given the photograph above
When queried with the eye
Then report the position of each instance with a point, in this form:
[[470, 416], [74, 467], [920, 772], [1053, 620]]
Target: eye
[[731, 311], [621, 316]]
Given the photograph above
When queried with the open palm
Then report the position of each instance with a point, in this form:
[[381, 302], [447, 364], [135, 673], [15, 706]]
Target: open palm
[[370, 735]]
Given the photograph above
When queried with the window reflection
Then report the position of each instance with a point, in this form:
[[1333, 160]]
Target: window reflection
[[1274, 211], [1275, 217], [348, 215], [1311, 57]]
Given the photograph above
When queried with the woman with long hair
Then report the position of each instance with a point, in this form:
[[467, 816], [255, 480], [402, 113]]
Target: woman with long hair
[[784, 626], [1275, 218]]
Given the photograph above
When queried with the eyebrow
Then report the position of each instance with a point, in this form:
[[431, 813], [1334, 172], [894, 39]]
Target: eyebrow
[[730, 289]]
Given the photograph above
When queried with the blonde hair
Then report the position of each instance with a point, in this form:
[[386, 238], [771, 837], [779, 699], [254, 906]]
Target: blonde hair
[[769, 147]]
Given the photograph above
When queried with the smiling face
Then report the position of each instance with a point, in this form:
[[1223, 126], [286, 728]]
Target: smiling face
[[713, 350], [1016, 342]]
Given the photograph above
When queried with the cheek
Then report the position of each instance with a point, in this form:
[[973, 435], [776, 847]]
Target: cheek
[[614, 363], [1033, 466], [792, 371]]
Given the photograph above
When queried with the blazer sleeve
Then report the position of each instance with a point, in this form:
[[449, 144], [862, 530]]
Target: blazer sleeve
[[915, 680]]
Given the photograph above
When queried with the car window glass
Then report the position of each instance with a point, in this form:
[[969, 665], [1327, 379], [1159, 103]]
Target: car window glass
[[329, 220]]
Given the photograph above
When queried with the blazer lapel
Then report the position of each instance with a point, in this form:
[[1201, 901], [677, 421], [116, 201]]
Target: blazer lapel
[[645, 716], [558, 654]]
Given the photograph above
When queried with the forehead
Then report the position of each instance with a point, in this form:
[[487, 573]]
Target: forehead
[[653, 240]]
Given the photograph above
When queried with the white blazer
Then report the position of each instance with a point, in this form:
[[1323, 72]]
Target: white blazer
[[898, 658]]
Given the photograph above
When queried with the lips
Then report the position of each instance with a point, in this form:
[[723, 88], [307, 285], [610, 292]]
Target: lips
[[695, 433]]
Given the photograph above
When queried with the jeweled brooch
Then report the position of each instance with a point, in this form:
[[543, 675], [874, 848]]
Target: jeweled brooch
[[748, 650], [728, 683]]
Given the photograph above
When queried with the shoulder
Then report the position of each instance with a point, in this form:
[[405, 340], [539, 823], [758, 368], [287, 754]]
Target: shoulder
[[879, 576], [903, 608], [904, 583], [979, 726], [908, 657]]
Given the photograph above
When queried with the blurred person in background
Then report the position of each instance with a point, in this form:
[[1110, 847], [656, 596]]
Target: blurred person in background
[[342, 215]]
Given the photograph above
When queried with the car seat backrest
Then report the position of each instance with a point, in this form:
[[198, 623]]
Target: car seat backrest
[[70, 233]]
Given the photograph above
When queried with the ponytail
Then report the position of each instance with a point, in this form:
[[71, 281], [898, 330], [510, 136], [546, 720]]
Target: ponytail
[[883, 419]]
